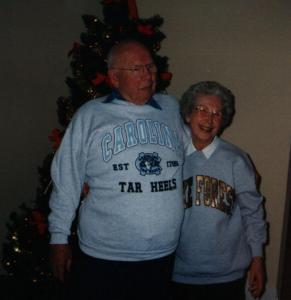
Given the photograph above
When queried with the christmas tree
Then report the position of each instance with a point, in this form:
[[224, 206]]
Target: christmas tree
[[26, 250]]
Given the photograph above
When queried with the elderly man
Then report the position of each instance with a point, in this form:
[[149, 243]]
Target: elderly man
[[128, 148]]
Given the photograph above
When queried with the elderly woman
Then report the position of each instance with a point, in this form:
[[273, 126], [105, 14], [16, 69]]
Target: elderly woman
[[223, 232]]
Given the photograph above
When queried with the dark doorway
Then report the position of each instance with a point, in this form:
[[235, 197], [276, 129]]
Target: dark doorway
[[284, 278]]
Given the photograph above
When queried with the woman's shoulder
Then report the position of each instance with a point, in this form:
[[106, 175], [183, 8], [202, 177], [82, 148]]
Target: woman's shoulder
[[231, 150]]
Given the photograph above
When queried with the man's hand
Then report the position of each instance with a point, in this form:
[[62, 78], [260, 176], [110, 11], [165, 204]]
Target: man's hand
[[256, 277], [61, 260]]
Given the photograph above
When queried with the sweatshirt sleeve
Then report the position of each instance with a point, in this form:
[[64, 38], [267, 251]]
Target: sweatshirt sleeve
[[251, 205], [67, 172]]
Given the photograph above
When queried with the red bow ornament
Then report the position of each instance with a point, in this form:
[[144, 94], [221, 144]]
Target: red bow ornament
[[56, 138], [166, 76]]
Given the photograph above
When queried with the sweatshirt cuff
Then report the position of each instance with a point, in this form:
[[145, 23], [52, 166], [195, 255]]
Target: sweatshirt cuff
[[58, 238], [257, 250]]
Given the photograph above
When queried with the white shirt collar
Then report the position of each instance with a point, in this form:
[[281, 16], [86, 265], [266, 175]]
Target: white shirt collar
[[207, 151]]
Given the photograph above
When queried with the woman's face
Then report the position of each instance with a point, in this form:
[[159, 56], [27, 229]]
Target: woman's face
[[205, 120]]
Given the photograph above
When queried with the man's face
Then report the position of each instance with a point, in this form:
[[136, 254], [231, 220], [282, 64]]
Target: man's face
[[205, 121], [135, 86]]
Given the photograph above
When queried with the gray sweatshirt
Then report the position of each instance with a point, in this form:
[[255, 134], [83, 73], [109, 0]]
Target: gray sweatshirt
[[223, 226], [131, 157]]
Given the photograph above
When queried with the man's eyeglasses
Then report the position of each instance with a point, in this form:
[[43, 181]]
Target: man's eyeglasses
[[140, 69], [205, 112]]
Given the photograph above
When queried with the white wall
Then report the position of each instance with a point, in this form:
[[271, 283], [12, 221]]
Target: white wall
[[245, 45]]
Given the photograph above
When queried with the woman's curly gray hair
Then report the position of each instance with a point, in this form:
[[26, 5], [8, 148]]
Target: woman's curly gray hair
[[189, 98]]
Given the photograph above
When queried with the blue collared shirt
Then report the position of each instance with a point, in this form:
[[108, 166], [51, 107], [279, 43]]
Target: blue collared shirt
[[116, 95]]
